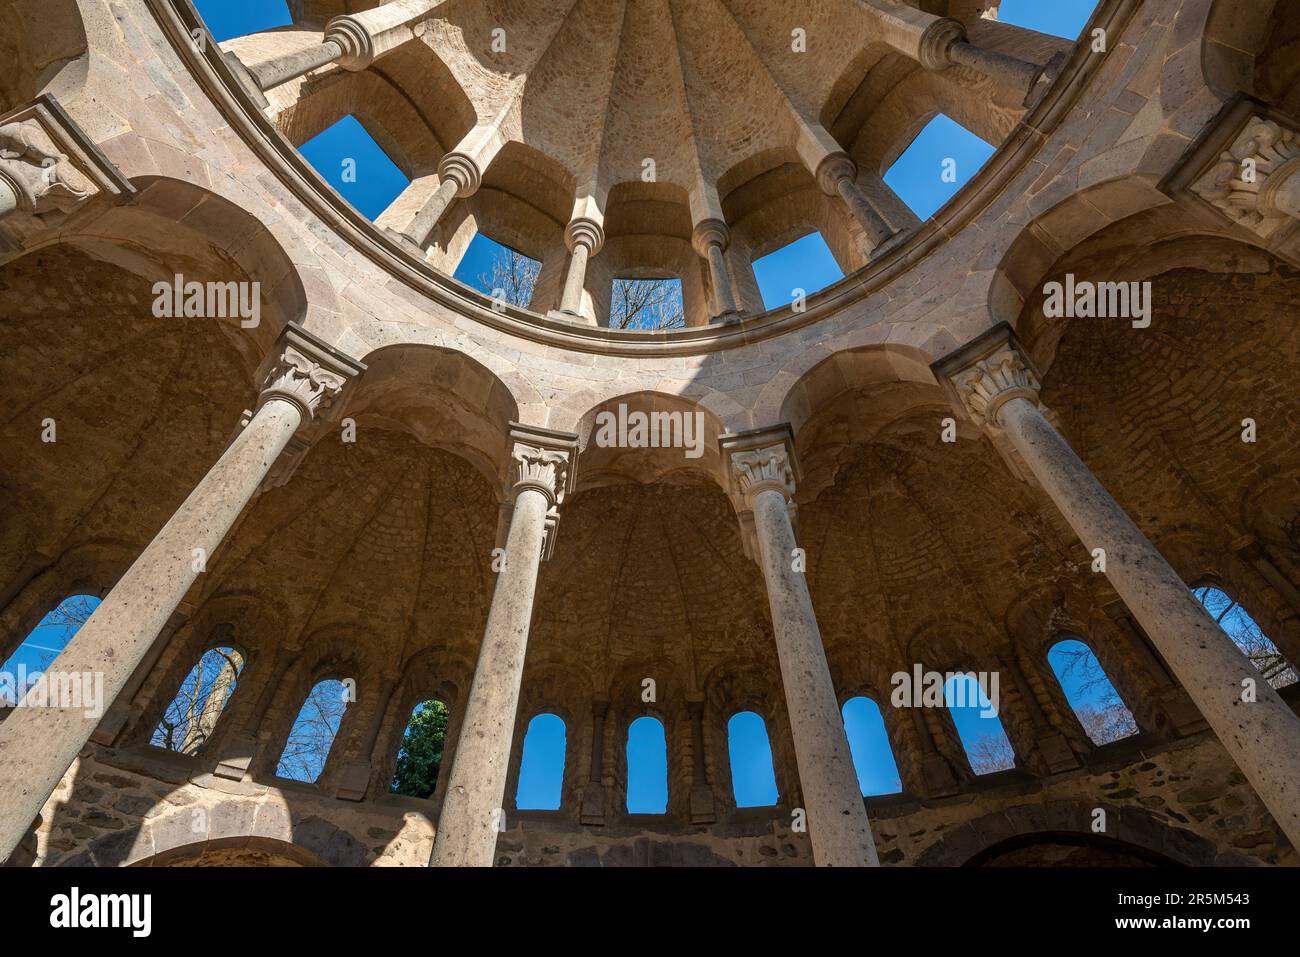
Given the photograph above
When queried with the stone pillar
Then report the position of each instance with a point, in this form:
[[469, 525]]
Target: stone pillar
[[472, 812], [354, 780], [702, 811], [837, 175], [353, 40], [1174, 713], [593, 795], [995, 383], [937, 43], [584, 237], [1050, 749], [1255, 181], [240, 750], [762, 474], [711, 238], [38, 743]]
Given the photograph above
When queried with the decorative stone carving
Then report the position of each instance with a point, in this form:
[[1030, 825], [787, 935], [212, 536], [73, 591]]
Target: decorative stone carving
[[833, 168], [463, 171], [710, 233], [758, 470], [543, 469], [296, 378], [994, 380], [1254, 181], [937, 41], [40, 175], [585, 232]]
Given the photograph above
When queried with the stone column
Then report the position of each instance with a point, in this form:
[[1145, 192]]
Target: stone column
[[472, 811], [38, 743], [460, 178], [937, 43], [353, 40], [702, 811], [1050, 747], [584, 237], [995, 383], [240, 750], [837, 175], [1168, 708], [762, 473], [354, 780], [711, 238], [593, 795]]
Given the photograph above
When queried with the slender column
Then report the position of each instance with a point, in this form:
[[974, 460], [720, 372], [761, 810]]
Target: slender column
[[593, 795], [300, 62], [460, 178], [837, 175], [472, 809], [837, 817], [240, 749], [997, 385], [39, 742], [353, 40], [584, 237], [711, 239], [937, 43], [354, 779], [702, 811]]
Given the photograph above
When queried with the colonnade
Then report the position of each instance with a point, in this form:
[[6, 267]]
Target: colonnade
[[990, 379], [356, 41]]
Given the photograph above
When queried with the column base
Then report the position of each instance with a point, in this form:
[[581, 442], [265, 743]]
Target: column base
[[702, 811], [895, 240], [729, 318], [593, 805], [246, 80], [240, 752], [353, 781], [1056, 753], [563, 316], [406, 242], [1046, 77]]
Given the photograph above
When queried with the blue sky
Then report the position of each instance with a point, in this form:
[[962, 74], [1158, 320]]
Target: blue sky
[[235, 18], [541, 772], [869, 744], [647, 767], [1062, 18], [939, 162], [752, 780]]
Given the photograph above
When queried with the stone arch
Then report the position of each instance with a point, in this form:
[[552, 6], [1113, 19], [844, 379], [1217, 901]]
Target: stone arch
[[441, 396], [603, 465], [251, 851], [747, 685], [1133, 826]]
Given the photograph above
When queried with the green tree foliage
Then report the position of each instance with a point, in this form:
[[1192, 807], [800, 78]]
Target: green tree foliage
[[420, 758]]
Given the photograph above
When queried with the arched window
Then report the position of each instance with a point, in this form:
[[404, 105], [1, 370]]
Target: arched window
[[541, 770], [419, 759], [312, 735], [647, 767], [753, 782], [873, 757], [940, 161], [987, 746], [496, 270], [192, 715], [42, 646], [802, 267], [1090, 693], [1247, 634], [646, 304], [350, 160]]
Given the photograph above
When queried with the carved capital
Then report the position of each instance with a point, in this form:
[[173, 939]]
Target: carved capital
[[834, 168], [540, 459], [354, 39], [1254, 180], [758, 470], [710, 232], [463, 171], [546, 470], [937, 40], [41, 176], [990, 382], [586, 232], [298, 378]]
